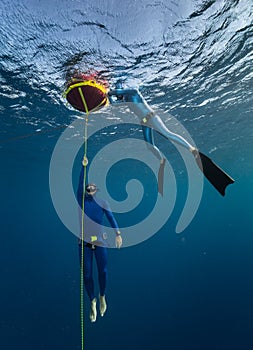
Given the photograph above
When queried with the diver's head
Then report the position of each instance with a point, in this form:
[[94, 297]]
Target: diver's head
[[91, 189]]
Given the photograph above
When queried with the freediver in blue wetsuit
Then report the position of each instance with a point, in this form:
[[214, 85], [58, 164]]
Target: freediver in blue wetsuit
[[95, 242], [150, 120]]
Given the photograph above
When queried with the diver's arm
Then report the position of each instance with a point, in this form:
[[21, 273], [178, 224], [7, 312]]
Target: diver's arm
[[116, 96], [124, 95], [110, 216], [80, 201], [113, 222], [80, 188]]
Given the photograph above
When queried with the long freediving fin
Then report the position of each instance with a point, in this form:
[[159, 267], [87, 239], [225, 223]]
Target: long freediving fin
[[214, 174], [161, 176]]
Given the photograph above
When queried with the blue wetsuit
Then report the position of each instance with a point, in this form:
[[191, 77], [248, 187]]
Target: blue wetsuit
[[94, 238]]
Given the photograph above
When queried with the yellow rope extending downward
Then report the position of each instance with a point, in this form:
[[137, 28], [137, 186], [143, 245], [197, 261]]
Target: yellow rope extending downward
[[82, 243], [79, 85], [82, 237]]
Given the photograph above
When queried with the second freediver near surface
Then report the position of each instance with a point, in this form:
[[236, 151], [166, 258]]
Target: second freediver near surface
[[151, 121], [87, 93]]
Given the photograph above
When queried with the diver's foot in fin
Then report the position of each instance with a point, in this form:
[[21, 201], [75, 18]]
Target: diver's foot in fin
[[102, 305], [93, 310], [214, 174], [161, 176]]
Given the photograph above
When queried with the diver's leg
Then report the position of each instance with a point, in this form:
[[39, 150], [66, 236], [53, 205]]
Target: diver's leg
[[149, 138], [157, 124], [101, 258], [88, 278]]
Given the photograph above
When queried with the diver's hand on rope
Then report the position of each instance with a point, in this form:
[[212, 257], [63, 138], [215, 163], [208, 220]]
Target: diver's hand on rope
[[118, 240]]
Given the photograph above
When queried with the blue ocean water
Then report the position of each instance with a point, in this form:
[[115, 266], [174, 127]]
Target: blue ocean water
[[186, 291]]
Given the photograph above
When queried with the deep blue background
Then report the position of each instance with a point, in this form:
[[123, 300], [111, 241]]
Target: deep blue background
[[191, 291]]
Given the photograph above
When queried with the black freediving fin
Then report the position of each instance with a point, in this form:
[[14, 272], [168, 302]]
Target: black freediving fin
[[214, 174], [161, 176]]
